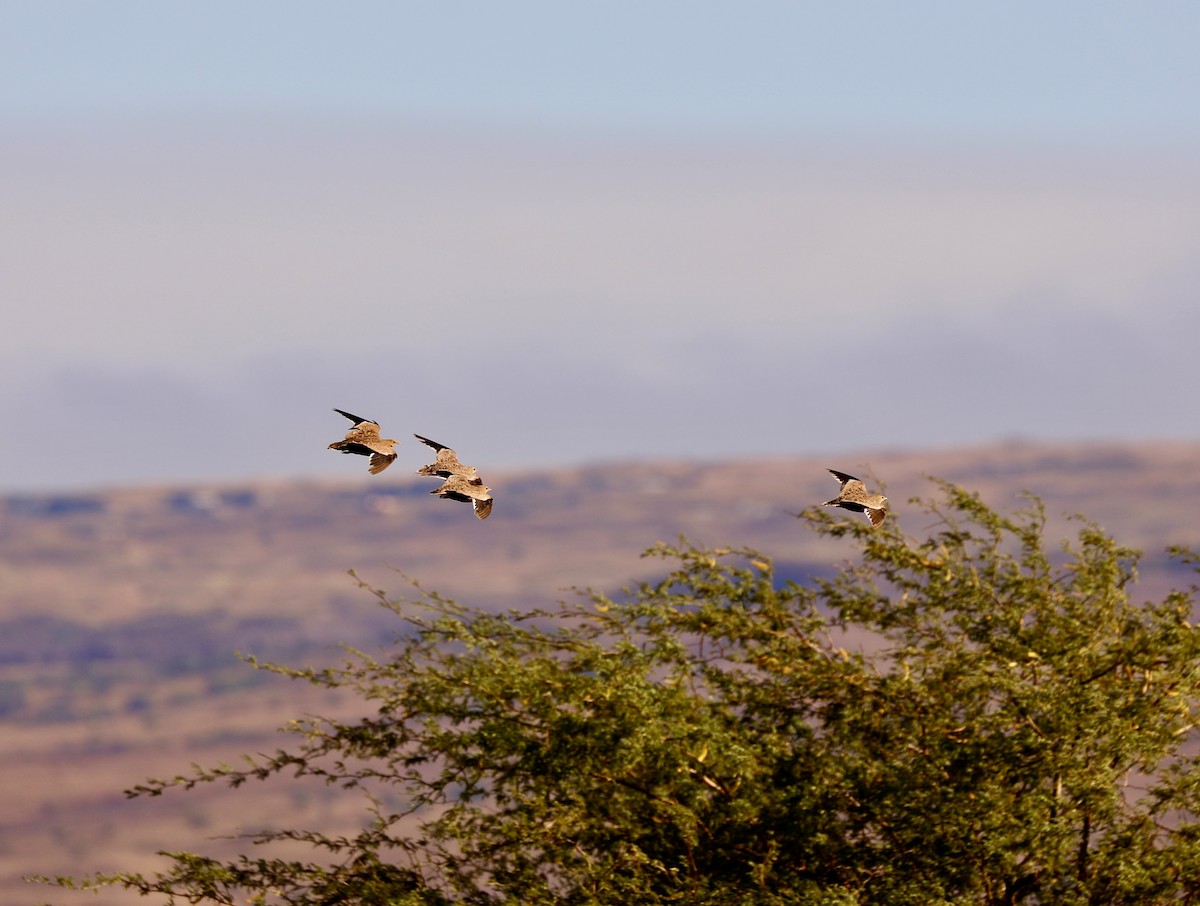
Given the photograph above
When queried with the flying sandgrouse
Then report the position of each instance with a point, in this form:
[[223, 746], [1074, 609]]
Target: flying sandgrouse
[[446, 463], [853, 496], [466, 490], [364, 440]]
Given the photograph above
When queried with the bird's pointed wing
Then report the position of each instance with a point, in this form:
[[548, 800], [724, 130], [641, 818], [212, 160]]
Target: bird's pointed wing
[[431, 443], [876, 515], [483, 508], [380, 461], [842, 476], [354, 418]]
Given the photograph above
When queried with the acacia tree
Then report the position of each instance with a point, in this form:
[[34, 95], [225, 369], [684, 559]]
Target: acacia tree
[[963, 718]]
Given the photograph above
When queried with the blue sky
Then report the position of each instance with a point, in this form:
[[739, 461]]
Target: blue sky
[[1016, 71], [552, 232]]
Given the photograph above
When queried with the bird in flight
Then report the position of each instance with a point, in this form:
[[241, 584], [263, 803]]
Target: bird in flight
[[364, 440], [446, 463], [461, 482], [853, 496], [467, 490]]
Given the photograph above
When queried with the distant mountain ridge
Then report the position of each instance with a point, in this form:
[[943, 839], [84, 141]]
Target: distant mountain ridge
[[117, 554]]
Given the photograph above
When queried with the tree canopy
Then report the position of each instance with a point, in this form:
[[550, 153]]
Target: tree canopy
[[968, 717]]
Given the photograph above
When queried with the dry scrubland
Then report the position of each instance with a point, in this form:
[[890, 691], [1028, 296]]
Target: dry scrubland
[[120, 610]]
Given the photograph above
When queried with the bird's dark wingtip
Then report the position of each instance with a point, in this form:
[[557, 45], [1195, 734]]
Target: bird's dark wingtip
[[357, 419], [430, 443]]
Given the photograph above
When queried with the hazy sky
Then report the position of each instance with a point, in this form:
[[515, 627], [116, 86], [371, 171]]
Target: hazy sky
[[545, 233]]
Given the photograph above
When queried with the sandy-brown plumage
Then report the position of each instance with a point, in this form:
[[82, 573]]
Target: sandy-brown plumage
[[467, 490], [853, 496], [446, 463], [364, 440]]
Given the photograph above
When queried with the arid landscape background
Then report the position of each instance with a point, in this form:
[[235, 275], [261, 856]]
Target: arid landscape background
[[122, 609], [688, 241]]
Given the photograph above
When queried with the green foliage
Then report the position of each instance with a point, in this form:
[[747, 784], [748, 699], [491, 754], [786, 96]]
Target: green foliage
[[965, 718]]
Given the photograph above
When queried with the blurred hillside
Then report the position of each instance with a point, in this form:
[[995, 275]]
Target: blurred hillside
[[121, 610]]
